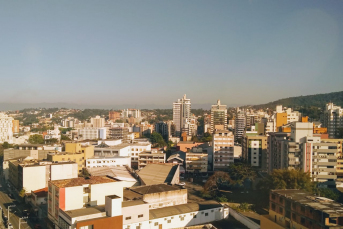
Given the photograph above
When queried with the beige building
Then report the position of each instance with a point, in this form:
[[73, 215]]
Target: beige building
[[223, 149], [31, 175], [196, 162], [98, 122], [218, 117], [254, 151], [74, 152], [152, 157]]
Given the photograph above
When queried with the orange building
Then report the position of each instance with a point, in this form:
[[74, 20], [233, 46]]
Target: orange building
[[281, 119], [114, 115], [15, 127]]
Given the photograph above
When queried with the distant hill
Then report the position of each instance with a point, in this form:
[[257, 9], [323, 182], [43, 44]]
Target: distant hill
[[318, 100]]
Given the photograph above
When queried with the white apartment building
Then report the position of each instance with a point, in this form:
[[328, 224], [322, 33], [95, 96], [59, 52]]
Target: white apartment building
[[333, 119], [136, 113], [55, 133], [6, 125], [223, 149], [239, 124], [32, 175], [181, 112], [108, 161], [88, 133]]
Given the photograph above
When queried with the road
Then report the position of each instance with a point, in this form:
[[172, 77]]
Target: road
[[15, 212]]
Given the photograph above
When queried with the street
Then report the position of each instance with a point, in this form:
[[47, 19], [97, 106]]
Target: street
[[15, 211]]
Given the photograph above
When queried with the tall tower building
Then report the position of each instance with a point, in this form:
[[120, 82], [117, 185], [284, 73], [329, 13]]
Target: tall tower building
[[181, 113], [333, 119], [218, 117], [6, 124]]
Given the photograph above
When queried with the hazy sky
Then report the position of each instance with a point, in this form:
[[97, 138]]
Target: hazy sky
[[152, 52]]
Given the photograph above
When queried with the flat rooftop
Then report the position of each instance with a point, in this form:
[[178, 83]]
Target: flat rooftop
[[182, 209], [137, 193], [81, 181], [86, 211], [332, 208], [132, 203]]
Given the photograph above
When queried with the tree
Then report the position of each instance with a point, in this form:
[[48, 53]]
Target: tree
[[207, 137], [65, 137], [51, 141], [36, 139], [216, 182], [328, 193], [194, 138], [22, 192], [287, 179], [157, 139], [6, 145], [240, 172]]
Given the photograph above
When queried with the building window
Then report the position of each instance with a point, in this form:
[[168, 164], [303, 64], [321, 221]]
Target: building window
[[128, 218], [280, 210], [169, 221], [206, 214], [140, 216]]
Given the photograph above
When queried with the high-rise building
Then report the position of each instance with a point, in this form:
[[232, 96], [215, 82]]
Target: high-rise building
[[181, 113], [218, 117], [239, 124], [162, 128], [333, 119], [114, 115], [98, 122], [254, 150], [15, 127], [6, 124], [223, 149]]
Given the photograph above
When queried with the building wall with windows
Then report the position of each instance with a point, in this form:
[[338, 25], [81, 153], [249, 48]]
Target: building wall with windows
[[105, 161], [6, 125], [223, 149]]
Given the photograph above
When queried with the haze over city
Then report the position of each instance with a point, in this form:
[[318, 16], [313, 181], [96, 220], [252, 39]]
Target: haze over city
[[147, 54]]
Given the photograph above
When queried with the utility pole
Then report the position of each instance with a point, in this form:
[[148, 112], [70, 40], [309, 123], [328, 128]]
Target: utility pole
[[21, 219], [8, 213]]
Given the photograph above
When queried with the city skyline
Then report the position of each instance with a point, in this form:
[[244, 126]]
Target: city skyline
[[146, 55]]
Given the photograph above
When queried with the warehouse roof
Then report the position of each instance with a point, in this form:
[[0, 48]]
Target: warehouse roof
[[182, 209]]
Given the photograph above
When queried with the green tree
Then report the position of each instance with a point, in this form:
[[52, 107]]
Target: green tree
[[22, 192], [51, 141], [6, 145], [156, 139], [36, 139], [194, 138], [219, 180], [328, 193], [207, 137], [240, 172], [287, 179], [65, 137]]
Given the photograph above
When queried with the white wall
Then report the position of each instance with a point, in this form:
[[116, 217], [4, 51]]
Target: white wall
[[34, 178], [99, 191], [175, 221], [64, 171], [106, 161], [73, 198]]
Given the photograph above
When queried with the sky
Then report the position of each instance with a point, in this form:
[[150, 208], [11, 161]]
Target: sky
[[149, 53]]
